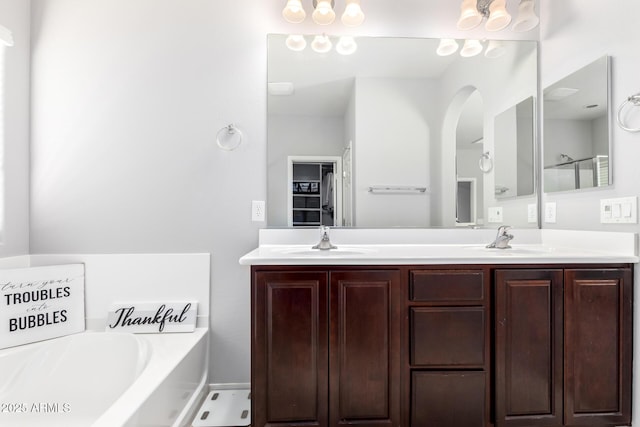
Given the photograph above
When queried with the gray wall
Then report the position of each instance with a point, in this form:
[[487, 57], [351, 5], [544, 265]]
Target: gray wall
[[14, 237]]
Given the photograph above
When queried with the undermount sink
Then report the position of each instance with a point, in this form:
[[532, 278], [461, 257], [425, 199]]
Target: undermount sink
[[514, 250], [339, 251]]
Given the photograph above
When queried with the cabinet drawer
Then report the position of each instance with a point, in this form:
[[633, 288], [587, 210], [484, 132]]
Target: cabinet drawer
[[448, 399], [447, 286], [448, 337]]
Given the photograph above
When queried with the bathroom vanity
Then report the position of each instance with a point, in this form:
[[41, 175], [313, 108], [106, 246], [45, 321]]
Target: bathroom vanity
[[441, 335]]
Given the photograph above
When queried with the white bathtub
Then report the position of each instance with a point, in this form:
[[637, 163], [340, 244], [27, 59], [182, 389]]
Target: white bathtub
[[103, 380]]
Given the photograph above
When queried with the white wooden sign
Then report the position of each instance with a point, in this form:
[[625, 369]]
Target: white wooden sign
[[153, 317], [40, 303]]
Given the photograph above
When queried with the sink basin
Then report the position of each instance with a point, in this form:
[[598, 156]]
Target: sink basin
[[514, 250], [307, 251]]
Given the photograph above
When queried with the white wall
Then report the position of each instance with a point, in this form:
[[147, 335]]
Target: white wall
[[14, 238], [392, 148], [573, 34], [127, 98]]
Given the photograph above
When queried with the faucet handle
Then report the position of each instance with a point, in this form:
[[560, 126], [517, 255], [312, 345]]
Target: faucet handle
[[503, 229]]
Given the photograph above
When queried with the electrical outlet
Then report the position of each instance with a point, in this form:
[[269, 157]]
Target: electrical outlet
[[550, 212], [257, 210]]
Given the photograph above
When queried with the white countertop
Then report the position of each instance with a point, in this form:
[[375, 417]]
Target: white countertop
[[283, 247]]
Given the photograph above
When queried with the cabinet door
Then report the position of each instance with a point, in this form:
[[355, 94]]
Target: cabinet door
[[598, 322], [290, 355], [365, 348], [528, 344]]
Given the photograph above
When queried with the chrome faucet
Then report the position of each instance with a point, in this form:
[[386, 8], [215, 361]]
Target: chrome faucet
[[324, 244], [502, 239]]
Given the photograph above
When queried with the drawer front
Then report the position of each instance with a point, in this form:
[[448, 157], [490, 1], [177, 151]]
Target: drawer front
[[448, 337], [451, 286], [448, 399]]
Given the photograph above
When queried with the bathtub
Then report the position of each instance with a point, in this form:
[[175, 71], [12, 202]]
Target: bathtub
[[104, 380]]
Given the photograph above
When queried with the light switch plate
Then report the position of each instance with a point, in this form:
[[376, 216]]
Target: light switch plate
[[550, 212], [622, 210], [532, 213], [495, 214]]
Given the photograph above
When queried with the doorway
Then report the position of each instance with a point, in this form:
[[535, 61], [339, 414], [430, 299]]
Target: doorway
[[314, 191]]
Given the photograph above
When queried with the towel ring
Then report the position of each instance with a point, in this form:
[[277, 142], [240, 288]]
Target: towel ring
[[634, 100], [484, 159], [229, 137]]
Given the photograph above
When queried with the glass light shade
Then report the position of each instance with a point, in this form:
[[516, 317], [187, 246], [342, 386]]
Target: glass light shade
[[499, 18], [470, 17], [495, 49], [323, 13], [321, 44], [353, 15], [346, 45], [527, 18], [296, 42], [447, 47], [471, 48], [294, 12]]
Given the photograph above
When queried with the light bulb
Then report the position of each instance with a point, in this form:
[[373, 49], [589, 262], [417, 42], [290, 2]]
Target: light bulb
[[469, 15], [447, 47], [353, 15], [321, 44], [527, 18], [499, 18], [296, 42], [495, 49], [346, 45], [323, 14], [471, 48], [293, 12]]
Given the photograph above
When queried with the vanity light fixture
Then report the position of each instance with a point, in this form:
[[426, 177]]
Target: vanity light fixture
[[472, 12], [495, 49], [527, 18], [321, 44], [447, 47], [323, 13], [296, 42], [294, 12], [498, 17], [353, 15], [471, 48], [346, 45]]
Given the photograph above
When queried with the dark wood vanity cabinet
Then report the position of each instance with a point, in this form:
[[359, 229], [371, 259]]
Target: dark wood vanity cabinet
[[326, 347], [445, 346], [448, 373], [563, 347]]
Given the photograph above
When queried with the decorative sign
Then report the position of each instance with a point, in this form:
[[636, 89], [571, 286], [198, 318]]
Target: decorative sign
[[153, 317], [40, 303]]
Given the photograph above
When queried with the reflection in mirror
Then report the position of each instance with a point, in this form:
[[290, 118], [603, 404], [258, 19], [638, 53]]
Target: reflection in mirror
[[577, 130], [469, 138], [514, 151], [390, 111]]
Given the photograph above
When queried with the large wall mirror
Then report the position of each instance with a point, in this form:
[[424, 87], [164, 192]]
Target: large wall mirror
[[577, 130], [395, 135]]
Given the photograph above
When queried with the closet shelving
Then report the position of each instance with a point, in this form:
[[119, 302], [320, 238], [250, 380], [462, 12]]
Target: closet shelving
[[308, 194]]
